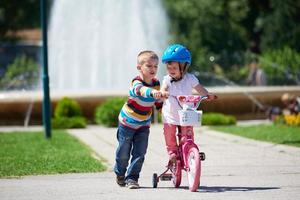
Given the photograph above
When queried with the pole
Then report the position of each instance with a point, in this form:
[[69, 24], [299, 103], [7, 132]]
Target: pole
[[46, 98]]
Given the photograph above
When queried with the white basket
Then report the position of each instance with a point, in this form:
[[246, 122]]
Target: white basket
[[190, 117]]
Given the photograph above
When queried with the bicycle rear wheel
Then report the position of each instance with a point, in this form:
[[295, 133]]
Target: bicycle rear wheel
[[176, 173], [194, 169]]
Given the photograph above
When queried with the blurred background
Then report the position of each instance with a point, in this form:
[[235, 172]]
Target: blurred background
[[224, 36], [93, 44]]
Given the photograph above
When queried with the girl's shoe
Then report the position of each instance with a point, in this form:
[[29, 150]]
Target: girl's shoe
[[172, 157]]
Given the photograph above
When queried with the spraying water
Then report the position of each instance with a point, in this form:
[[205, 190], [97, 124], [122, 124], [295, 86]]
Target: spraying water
[[93, 44], [247, 94], [228, 82]]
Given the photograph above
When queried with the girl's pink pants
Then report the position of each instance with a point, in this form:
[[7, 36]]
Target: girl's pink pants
[[170, 136]]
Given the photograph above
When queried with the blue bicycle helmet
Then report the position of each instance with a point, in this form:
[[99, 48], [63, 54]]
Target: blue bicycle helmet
[[178, 53]]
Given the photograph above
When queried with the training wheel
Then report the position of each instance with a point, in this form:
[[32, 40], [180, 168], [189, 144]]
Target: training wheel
[[154, 180]]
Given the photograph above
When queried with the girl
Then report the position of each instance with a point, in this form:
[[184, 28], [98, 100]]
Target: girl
[[177, 82]]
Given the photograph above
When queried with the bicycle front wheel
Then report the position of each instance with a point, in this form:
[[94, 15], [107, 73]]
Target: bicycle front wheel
[[194, 169]]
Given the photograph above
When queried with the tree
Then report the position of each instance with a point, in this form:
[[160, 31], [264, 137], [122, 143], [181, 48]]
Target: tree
[[281, 27], [209, 28], [223, 32], [17, 15]]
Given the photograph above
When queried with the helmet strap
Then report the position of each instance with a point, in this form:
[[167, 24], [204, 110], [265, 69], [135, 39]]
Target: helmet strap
[[182, 69]]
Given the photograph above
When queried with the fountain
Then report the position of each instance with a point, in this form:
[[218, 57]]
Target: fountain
[[92, 55], [93, 44]]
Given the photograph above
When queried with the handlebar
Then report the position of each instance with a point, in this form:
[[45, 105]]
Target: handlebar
[[192, 99]]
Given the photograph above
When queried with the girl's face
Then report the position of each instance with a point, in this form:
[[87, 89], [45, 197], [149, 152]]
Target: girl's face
[[173, 69]]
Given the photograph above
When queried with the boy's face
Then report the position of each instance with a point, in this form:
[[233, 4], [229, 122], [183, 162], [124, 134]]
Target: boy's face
[[173, 69], [149, 68]]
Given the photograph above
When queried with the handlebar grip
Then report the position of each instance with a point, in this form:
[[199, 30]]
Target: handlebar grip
[[212, 96]]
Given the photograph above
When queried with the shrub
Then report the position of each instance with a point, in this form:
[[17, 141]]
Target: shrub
[[107, 113], [67, 107], [23, 73], [282, 66], [68, 122], [68, 114], [218, 119]]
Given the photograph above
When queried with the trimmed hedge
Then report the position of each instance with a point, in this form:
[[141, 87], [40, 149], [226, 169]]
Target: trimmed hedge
[[68, 122], [218, 119], [68, 114], [67, 107], [107, 113]]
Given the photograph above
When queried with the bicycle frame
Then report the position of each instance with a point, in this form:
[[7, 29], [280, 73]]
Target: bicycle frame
[[188, 155]]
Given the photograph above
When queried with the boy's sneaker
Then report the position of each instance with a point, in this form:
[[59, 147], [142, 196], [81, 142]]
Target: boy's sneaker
[[120, 181], [132, 184]]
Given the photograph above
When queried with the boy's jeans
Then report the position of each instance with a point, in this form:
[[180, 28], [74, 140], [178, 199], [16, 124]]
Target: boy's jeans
[[134, 142]]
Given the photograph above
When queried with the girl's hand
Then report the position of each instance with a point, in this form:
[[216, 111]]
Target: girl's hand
[[211, 97], [165, 94]]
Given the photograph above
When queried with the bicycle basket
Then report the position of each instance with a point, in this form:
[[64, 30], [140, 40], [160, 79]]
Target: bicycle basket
[[190, 117]]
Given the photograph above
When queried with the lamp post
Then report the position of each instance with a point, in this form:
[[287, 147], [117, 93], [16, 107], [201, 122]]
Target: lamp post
[[46, 91]]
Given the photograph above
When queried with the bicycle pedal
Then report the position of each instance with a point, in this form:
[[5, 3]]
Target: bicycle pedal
[[166, 177]]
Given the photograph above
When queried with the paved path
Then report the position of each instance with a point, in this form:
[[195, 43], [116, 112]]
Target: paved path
[[235, 168]]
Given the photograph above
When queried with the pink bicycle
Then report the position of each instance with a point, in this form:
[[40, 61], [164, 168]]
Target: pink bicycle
[[188, 156]]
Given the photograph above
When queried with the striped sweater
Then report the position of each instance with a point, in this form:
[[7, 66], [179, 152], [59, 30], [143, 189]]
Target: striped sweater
[[136, 112]]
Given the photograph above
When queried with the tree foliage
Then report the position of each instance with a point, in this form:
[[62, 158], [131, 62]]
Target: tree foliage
[[282, 66], [23, 73], [219, 33], [17, 15], [281, 26], [222, 32], [209, 28]]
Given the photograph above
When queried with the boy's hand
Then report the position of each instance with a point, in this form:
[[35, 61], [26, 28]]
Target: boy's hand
[[156, 94], [211, 97]]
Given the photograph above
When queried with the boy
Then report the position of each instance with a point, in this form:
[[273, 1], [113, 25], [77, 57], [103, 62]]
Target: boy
[[135, 119]]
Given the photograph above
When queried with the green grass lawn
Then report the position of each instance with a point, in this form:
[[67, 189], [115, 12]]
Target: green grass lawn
[[29, 153], [279, 134]]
